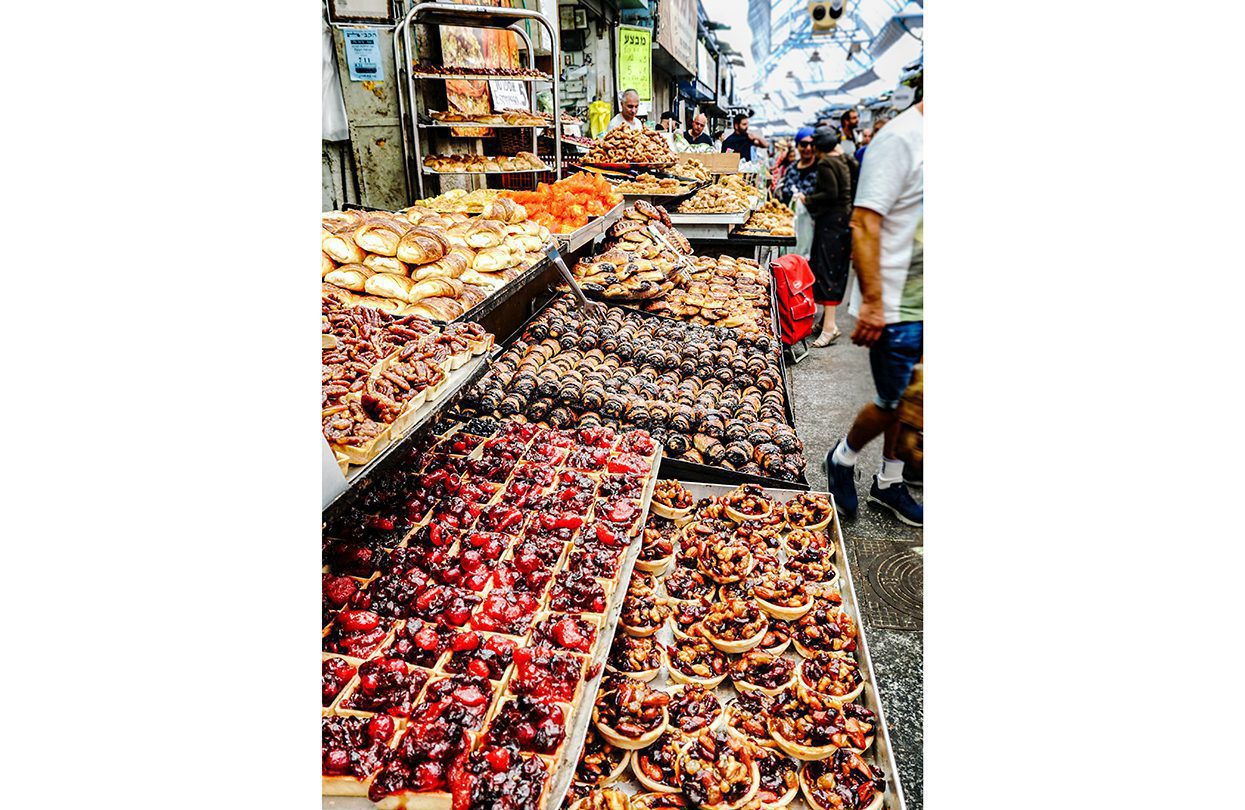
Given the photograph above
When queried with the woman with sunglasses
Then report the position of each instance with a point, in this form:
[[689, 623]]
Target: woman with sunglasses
[[800, 178]]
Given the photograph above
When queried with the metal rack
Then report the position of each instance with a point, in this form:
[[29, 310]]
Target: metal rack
[[466, 16]]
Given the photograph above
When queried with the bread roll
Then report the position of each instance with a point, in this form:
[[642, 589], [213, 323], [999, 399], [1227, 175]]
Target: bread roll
[[421, 245], [350, 276], [473, 294], [381, 235], [386, 264], [492, 281], [335, 293], [388, 285], [493, 259], [411, 291], [326, 264], [450, 265], [383, 304], [486, 233], [341, 247], [437, 309]]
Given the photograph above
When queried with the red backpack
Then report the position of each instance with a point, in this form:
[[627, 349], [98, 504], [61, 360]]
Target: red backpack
[[794, 282]]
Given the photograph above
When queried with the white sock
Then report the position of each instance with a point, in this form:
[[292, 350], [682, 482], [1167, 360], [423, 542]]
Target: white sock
[[891, 474], [844, 455]]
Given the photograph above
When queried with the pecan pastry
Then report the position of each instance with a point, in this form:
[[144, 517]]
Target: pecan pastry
[[735, 625], [718, 772], [597, 799], [777, 637], [747, 718], [808, 727], [825, 628], [808, 511], [600, 763], [655, 767], [672, 500], [642, 615], [780, 778], [831, 676], [748, 502], [693, 707], [628, 714], [686, 616], [641, 586], [780, 593], [638, 658], [685, 583], [843, 781], [760, 671], [695, 660], [808, 544], [657, 551], [761, 534], [658, 801], [727, 562]]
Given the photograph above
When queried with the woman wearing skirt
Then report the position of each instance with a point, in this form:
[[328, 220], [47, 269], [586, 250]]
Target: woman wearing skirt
[[830, 204]]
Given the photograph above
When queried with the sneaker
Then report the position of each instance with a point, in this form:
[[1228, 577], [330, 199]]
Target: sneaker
[[913, 478], [842, 484], [897, 499]]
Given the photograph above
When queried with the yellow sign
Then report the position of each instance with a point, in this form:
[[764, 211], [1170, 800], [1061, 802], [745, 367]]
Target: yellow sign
[[635, 61]]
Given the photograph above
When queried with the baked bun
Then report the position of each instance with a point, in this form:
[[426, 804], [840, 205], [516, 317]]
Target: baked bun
[[350, 276]]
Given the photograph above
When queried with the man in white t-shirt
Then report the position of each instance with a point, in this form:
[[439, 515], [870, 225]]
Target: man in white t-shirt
[[888, 254], [627, 118]]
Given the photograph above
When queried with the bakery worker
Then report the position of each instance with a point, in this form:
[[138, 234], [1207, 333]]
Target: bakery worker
[[697, 133], [741, 140], [628, 117]]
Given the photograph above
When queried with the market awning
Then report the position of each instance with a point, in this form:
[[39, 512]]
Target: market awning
[[909, 17]]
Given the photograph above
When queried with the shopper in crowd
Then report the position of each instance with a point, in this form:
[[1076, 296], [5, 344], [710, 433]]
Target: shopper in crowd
[[888, 255], [800, 178], [628, 116], [830, 204], [787, 158], [741, 140], [848, 122], [866, 135], [696, 134], [669, 122]]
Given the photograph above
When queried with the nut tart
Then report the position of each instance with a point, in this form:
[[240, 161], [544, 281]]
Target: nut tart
[[642, 615], [748, 502], [761, 535], [335, 673], [747, 718], [759, 671], [808, 544], [642, 585], [717, 771], [844, 781], [830, 676], [692, 708], [657, 551], [735, 625], [780, 778], [600, 763], [638, 658], [654, 766], [597, 799], [725, 562], [687, 583], [808, 727], [384, 686], [538, 726], [352, 750], [825, 628], [686, 616], [777, 637], [781, 594], [658, 801], [808, 511], [630, 715], [695, 660], [671, 500], [501, 777]]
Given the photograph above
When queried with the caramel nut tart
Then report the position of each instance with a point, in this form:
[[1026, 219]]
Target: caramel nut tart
[[643, 615], [780, 778], [781, 594], [658, 801], [672, 501], [807, 544], [735, 625], [657, 550], [693, 707], [638, 658], [808, 727], [599, 799], [777, 637], [725, 562], [654, 766], [695, 660], [830, 676], [761, 534], [718, 772], [843, 781], [808, 511], [686, 583], [352, 749], [686, 616], [748, 502], [600, 763], [759, 671], [747, 718], [628, 714], [825, 628]]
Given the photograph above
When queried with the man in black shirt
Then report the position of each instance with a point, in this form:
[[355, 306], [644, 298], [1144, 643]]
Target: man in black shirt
[[697, 133], [741, 140]]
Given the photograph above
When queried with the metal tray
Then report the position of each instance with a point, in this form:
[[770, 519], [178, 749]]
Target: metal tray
[[504, 294], [738, 218], [590, 231], [626, 166], [880, 754], [478, 78]]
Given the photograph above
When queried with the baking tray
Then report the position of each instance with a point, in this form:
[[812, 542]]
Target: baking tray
[[626, 166], [505, 293], [761, 239], [590, 231], [479, 78], [880, 754], [737, 218], [509, 171]]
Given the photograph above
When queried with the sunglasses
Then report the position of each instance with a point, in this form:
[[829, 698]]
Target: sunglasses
[[805, 143]]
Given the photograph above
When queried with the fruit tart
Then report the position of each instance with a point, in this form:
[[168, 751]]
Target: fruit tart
[[830, 676], [642, 615], [757, 670], [577, 592], [695, 660], [335, 594], [617, 485], [671, 500], [686, 616], [654, 766], [825, 628], [384, 686], [547, 674], [638, 658], [538, 726], [600, 763], [628, 714], [574, 633], [725, 562], [843, 781], [717, 771], [808, 511], [500, 777], [419, 642], [780, 593], [335, 673], [808, 544], [735, 625], [693, 707], [687, 583], [484, 655], [506, 611], [657, 548], [761, 534], [808, 727], [747, 717], [357, 633], [352, 749], [463, 698], [777, 637], [421, 763], [780, 778], [748, 502]]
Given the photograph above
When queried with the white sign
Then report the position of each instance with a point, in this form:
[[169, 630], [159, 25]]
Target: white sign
[[508, 95]]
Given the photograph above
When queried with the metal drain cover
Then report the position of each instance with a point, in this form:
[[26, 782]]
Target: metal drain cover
[[897, 578], [889, 582]]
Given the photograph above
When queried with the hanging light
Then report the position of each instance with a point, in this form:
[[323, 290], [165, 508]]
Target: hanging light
[[816, 57]]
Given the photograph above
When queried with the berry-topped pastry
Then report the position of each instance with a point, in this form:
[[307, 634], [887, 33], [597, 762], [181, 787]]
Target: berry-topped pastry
[[748, 502], [499, 777], [780, 778], [623, 514], [547, 674], [735, 625], [577, 592], [464, 699], [780, 593], [638, 658], [642, 615], [481, 654], [603, 563], [672, 500], [654, 766], [760, 671], [445, 604], [574, 633], [600, 763], [459, 443], [351, 750], [335, 594], [693, 707], [808, 511], [718, 772], [421, 763], [809, 727], [695, 660], [686, 616], [747, 717], [506, 611], [385, 686], [831, 676], [538, 726], [843, 781], [777, 637], [725, 562], [825, 628], [335, 673], [628, 714], [420, 642], [686, 583], [357, 633]]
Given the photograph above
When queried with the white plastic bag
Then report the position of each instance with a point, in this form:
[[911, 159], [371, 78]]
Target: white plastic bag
[[803, 230]]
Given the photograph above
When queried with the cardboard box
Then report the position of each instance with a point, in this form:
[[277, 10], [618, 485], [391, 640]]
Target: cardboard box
[[715, 162]]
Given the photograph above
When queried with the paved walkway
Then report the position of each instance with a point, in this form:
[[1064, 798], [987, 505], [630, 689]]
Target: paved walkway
[[830, 386]]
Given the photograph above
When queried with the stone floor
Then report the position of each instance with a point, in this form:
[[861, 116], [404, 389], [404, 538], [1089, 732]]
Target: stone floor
[[830, 386]]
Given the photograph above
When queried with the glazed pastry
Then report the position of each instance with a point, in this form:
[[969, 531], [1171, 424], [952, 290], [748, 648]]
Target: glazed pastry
[[386, 264], [421, 245], [628, 714], [760, 671], [717, 771], [843, 781], [436, 309], [654, 766]]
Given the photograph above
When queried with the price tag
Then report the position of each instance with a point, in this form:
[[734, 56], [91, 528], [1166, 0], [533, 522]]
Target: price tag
[[508, 95], [363, 55]]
